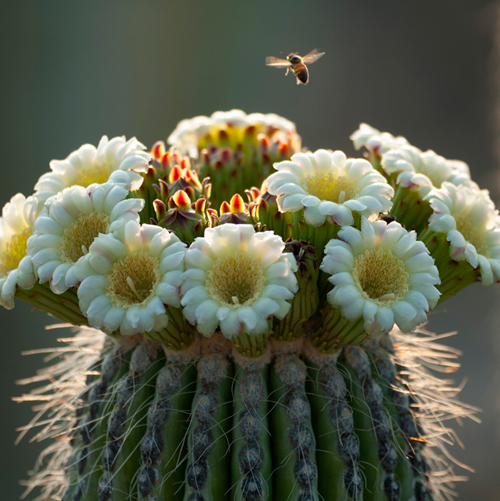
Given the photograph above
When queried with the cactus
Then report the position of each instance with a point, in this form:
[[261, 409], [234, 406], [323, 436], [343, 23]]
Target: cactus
[[262, 351], [207, 424]]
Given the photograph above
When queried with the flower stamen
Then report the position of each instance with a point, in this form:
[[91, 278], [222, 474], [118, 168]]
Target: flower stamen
[[133, 280], [131, 284], [381, 277], [236, 280], [78, 237], [330, 187]]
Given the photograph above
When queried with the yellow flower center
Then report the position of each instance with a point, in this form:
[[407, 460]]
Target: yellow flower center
[[77, 239], [330, 187], [474, 234], [98, 173], [133, 280], [236, 280], [381, 277], [13, 252]]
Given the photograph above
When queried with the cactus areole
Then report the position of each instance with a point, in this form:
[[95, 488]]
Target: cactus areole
[[248, 314]]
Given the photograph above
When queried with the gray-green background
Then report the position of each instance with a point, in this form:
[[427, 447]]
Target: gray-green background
[[72, 71]]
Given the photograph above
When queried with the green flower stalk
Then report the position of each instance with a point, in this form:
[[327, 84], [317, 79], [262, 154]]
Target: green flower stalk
[[261, 351]]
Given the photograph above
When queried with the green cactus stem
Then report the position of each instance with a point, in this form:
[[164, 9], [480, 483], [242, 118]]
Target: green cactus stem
[[209, 424]]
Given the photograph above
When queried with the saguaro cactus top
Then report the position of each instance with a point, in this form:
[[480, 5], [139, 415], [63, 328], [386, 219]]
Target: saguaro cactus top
[[261, 350]]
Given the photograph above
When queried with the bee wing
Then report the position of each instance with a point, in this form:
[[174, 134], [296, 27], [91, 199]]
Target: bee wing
[[312, 57], [277, 62]]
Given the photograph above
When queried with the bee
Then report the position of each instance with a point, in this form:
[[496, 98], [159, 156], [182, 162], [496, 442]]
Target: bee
[[296, 63], [387, 218]]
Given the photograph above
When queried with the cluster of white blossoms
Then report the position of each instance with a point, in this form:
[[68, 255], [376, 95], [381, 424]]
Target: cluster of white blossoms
[[133, 257], [67, 227]]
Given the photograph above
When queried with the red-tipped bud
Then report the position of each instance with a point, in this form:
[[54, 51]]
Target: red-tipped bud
[[252, 194], [181, 200], [190, 192], [192, 178], [263, 204], [237, 204], [251, 131], [223, 135], [284, 150], [264, 144], [175, 158], [224, 208], [151, 173], [185, 163], [158, 150], [175, 174], [164, 189], [207, 187], [199, 206], [165, 160], [254, 210], [159, 208], [212, 217]]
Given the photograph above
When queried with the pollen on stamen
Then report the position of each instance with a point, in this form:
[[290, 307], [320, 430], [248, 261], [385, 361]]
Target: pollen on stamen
[[381, 277], [330, 187], [78, 237], [236, 280], [13, 252]]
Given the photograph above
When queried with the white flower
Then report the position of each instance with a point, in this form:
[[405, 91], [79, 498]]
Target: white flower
[[383, 274], [112, 161], [423, 171], [327, 184], [237, 279], [132, 278], [201, 131], [470, 222], [375, 141], [66, 228], [16, 225]]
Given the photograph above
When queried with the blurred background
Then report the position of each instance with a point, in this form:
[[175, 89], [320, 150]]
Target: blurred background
[[430, 71]]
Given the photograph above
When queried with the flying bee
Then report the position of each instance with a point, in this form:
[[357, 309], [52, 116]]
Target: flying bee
[[296, 63]]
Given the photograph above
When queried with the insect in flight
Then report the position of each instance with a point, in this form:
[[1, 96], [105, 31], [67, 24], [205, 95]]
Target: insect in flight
[[296, 63]]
